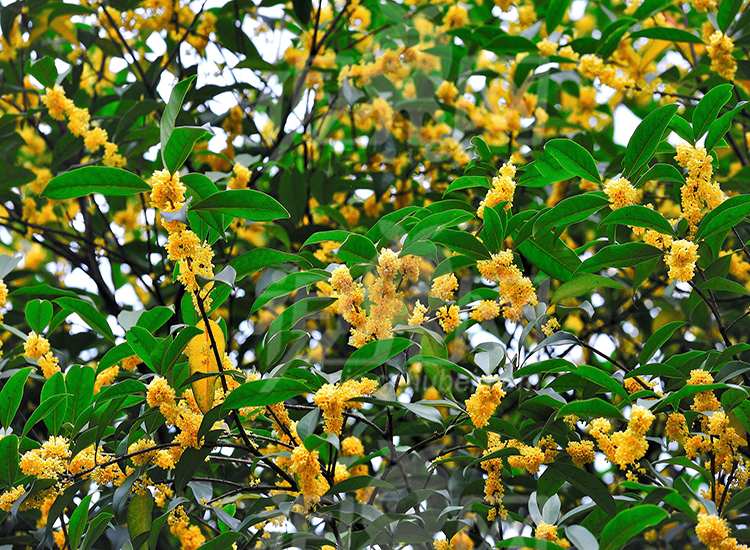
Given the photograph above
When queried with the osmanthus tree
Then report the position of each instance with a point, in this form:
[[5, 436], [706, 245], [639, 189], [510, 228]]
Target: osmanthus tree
[[406, 279]]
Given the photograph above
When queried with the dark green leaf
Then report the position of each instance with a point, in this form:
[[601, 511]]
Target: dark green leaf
[[298, 311], [9, 459], [646, 138], [573, 158], [721, 125], [708, 108], [666, 33], [620, 256], [593, 407], [639, 216], [11, 394], [111, 182], [180, 145], [38, 314], [583, 284], [588, 484], [166, 126], [372, 355], [357, 249], [629, 524], [261, 393], [569, 211], [723, 217]]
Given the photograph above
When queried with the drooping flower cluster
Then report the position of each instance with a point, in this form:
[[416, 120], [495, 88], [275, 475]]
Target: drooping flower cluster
[[627, 447], [193, 257], [306, 467], [482, 404], [61, 107], [720, 48], [698, 190], [681, 259], [503, 188], [533, 456], [334, 399], [190, 536], [713, 531], [383, 295], [448, 317], [581, 452], [49, 461], [493, 486], [515, 290], [444, 286]]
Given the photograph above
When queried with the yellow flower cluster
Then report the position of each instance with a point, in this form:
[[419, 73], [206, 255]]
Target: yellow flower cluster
[[106, 377], [305, 466], [444, 286], [481, 406], [532, 457], [515, 290], [493, 486], [550, 327], [60, 107], [627, 447], [386, 301], [190, 536], [714, 533], [699, 190], [581, 452], [88, 458], [503, 188], [37, 348], [9, 497], [3, 301], [49, 461], [241, 177], [352, 446], [193, 257], [620, 192], [448, 317], [681, 260], [334, 399], [417, 316], [591, 66], [185, 415], [485, 310], [720, 48]]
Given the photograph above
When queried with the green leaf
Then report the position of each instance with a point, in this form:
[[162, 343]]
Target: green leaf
[[588, 484], [38, 314], [630, 523], [287, 285], [48, 406], [462, 243], [507, 44], [88, 313], [243, 203], [583, 284], [708, 108], [555, 13], [721, 125], [569, 211], [639, 216], [436, 354], [110, 182], [302, 9], [494, 229], [682, 128], [78, 520], [723, 217], [466, 182], [142, 343], [371, 355], [646, 138], [727, 12], [276, 347], [552, 256], [139, 515], [658, 339], [44, 70], [453, 264], [9, 459], [665, 33], [357, 249], [336, 235], [181, 144], [661, 172], [604, 379], [298, 311], [166, 126], [428, 226], [620, 256], [261, 393], [79, 383], [573, 158], [529, 542], [590, 407], [54, 386], [260, 258], [11, 394]]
